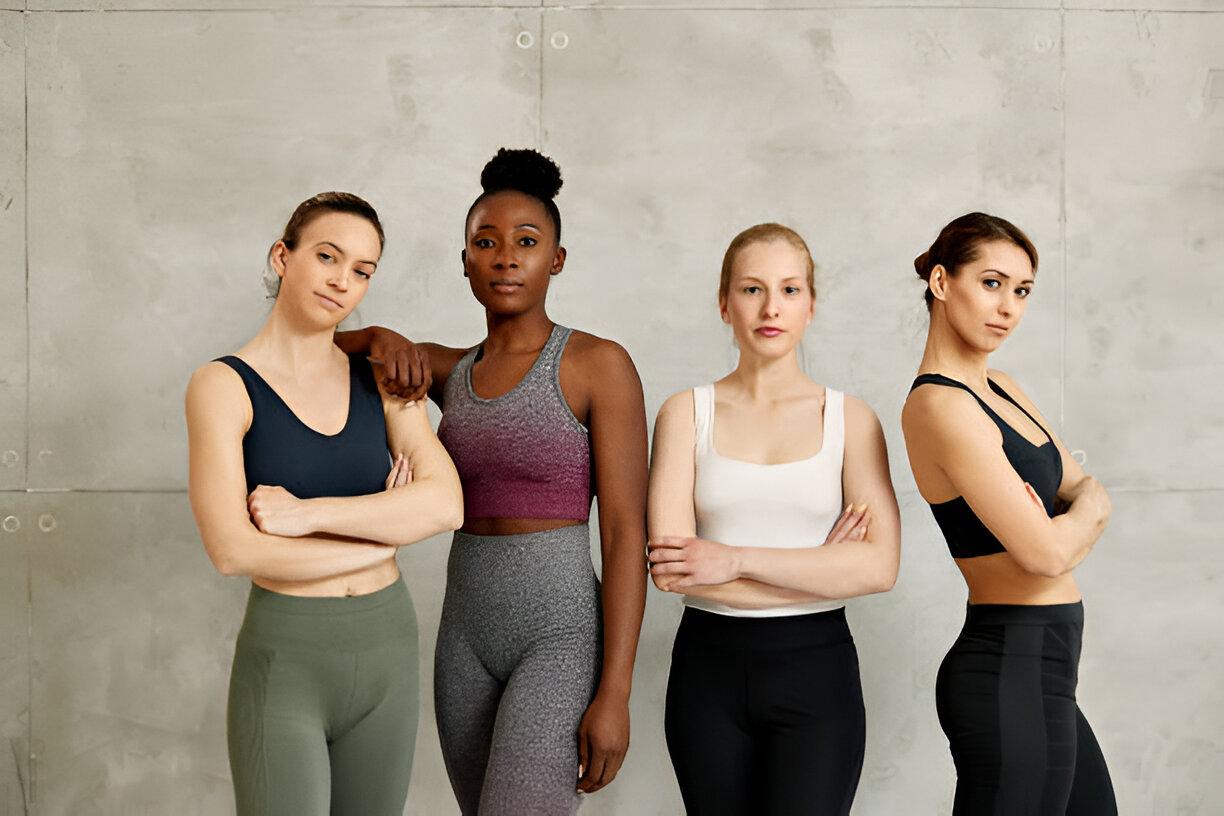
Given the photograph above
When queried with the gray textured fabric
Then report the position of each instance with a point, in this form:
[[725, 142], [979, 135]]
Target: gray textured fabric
[[516, 665]]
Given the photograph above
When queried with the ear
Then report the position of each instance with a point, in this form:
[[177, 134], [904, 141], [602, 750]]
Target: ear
[[463, 261], [558, 261], [722, 309], [938, 282], [276, 258]]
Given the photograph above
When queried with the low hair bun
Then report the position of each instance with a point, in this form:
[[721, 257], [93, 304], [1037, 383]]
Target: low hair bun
[[922, 265]]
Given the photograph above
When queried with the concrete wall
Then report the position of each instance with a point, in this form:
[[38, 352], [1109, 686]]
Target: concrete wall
[[151, 149]]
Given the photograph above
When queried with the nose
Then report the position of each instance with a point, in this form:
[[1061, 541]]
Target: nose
[[339, 279], [771, 307], [506, 257]]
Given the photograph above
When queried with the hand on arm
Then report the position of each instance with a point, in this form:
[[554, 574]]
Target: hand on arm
[[406, 371], [218, 414], [671, 517], [431, 503], [949, 427], [850, 563]]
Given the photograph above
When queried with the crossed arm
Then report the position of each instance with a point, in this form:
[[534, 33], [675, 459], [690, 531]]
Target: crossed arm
[[860, 556], [274, 535]]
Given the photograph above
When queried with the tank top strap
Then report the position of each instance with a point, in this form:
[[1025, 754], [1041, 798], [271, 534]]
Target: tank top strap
[[549, 364], [835, 426], [940, 379], [703, 418], [258, 390]]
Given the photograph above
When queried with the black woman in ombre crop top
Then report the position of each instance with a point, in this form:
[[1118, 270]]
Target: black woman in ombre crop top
[[1018, 513]]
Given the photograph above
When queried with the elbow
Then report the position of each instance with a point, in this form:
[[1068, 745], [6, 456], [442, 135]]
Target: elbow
[[886, 580], [225, 562]]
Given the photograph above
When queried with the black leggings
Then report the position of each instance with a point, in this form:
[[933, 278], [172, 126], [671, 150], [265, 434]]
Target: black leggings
[[765, 715], [1006, 700]]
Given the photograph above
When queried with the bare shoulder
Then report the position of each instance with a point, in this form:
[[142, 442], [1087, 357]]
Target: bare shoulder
[[216, 390], [602, 361], [857, 411], [942, 411], [677, 408]]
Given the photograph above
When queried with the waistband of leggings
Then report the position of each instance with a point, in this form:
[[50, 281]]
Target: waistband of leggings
[[814, 629], [577, 536], [1025, 615], [347, 624]]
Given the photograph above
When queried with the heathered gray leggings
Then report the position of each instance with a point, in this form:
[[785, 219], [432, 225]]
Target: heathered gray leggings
[[516, 666]]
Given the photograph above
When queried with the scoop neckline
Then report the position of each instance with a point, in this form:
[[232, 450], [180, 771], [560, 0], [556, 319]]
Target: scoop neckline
[[824, 435], [467, 375], [348, 416]]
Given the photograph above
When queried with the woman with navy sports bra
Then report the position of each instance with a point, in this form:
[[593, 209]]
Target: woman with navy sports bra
[[289, 446], [534, 660], [747, 486], [1018, 513]]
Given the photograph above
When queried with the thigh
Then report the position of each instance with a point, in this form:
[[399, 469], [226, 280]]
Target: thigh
[[707, 731], [533, 760], [371, 761], [465, 705], [1092, 792], [276, 731], [813, 730]]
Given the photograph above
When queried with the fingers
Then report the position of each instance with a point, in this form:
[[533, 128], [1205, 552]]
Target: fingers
[[669, 568], [392, 479], [593, 779], [663, 554], [859, 533], [584, 754], [851, 518], [667, 542]]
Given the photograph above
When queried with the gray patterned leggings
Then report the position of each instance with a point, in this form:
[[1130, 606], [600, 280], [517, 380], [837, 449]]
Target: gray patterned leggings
[[516, 666]]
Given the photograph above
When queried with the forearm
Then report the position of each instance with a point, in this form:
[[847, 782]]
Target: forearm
[[744, 593], [844, 569], [278, 558], [355, 341], [1077, 530], [623, 596], [402, 515]]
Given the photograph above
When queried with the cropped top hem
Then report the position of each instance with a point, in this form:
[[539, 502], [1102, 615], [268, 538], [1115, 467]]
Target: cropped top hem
[[769, 612]]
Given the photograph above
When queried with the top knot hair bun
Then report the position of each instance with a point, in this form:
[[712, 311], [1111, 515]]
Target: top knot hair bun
[[525, 171]]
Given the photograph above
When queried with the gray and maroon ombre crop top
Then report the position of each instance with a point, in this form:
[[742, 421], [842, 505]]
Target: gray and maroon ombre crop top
[[523, 454]]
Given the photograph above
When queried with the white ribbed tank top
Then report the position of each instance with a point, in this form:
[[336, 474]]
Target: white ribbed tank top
[[744, 504]]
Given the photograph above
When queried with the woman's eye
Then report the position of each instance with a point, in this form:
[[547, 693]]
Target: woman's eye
[[483, 243], [990, 283], [1024, 291], [792, 290], [528, 242], [751, 290], [365, 275], [324, 257]]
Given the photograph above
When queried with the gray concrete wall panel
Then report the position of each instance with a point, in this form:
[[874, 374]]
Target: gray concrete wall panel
[[197, 175], [720, 121], [15, 525], [13, 375], [1145, 201]]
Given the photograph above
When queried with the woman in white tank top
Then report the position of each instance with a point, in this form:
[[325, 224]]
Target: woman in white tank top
[[770, 502]]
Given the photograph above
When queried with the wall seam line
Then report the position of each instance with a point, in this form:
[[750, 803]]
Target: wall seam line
[[1062, 212]]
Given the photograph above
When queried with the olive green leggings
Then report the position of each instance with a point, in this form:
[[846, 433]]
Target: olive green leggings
[[323, 702]]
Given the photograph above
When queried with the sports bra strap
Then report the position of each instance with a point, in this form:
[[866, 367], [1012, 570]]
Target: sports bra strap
[[940, 379]]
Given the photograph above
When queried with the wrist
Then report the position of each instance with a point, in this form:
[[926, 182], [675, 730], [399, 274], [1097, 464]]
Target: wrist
[[310, 512], [613, 692]]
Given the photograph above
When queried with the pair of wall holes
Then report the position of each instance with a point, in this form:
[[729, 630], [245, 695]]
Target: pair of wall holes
[[11, 524], [559, 40]]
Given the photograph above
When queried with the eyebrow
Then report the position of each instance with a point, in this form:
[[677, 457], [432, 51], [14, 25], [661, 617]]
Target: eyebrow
[[1006, 276], [759, 280], [520, 226], [340, 251]]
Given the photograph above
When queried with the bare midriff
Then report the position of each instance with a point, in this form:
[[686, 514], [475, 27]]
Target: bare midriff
[[998, 579], [359, 582]]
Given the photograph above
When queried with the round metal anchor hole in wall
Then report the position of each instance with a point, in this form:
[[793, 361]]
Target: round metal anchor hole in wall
[[46, 522], [10, 458], [11, 524], [559, 40], [525, 39]]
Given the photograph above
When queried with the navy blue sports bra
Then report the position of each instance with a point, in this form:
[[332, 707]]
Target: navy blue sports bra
[[1039, 465], [279, 449]]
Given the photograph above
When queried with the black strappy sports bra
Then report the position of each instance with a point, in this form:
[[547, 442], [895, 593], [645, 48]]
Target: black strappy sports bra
[[1039, 465]]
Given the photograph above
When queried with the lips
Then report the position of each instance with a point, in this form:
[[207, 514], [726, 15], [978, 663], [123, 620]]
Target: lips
[[327, 302], [997, 328], [769, 331], [505, 287]]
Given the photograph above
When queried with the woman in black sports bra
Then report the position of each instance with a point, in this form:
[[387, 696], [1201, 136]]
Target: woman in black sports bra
[[1018, 513]]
